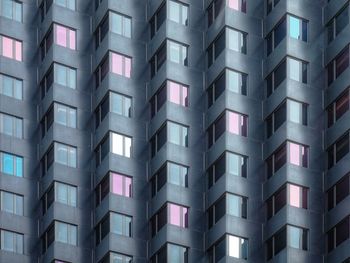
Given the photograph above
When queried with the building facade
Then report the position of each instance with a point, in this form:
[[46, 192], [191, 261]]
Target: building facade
[[174, 131]]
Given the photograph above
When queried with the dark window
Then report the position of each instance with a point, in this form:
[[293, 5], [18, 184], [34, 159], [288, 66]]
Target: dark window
[[338, 65]]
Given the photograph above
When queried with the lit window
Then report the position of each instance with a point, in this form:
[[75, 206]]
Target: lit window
[[11, 164], [11, 203], [297, 28], [11, 125], [11, 9], [121, 145], [292, 153], [121, 65], [11, 87], [237, 123], [11, 241], [65, 37], [239, 5], [121, 185], [229, 245], [11, 48]]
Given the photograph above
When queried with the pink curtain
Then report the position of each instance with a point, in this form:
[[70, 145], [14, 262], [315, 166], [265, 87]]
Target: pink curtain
[[117, 184], [294, 153], [127, 67], [117, 64], [294, 195], [61, 36], [127, 186], [18, 51], [233, 4], [72, 42], [7, 47], [174, 92], [234, 122], [174, 215]]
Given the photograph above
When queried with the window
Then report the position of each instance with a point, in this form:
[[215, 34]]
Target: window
[[297, 29], [338, 108], [270, 4], [291, 236], [11, 203], [290, 152], [65, 36], [338, 192], [113, 62], [338, 65], [58, 74], [291, 194], [61, 114], [239, 5], [172, 91], [172, 51], [171, 173], [121, 184], [158, 19], [60, 232], [113, 223], [172, 214], [229, 204], [229, 245], [228, 79], [170, 132], [11, 87], [70, 4], [61, 154], [117, 23], [11, 125], [61, 193], [232, 122], [11, 164], [102, 189], [112, 257], [113, 102], [214, 10], [292, 110], [338, 23], [11, 48], [170, 253], [292, 68], [230, 163], [338, 150], [11, 9], [338, 234], [115, 143], [11, 241], [232, 39], [178, 12]]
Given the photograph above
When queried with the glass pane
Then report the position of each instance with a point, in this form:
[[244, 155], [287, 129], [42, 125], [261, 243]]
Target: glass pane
[[117, 144], [294, 195], [295, 111], [342, 20], [234, 245], [116, 23], [294, 154], [117, 103], [62, 193], [61, 233], [61, 155], [294, 27], [294, 69], [280, 32], [7, 202], [295, 237], [234, 205], [174, 11], [62, 115], [175, 215], [8, 164], [174, 52], [342, 62]]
